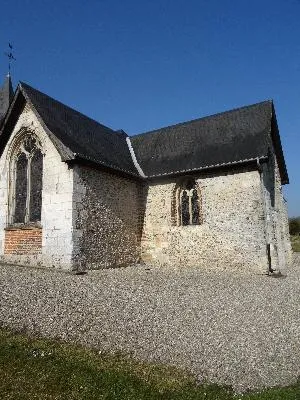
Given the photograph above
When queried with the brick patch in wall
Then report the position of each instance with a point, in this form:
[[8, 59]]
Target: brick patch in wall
[[23, 241]]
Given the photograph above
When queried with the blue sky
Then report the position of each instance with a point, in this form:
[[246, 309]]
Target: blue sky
[[140, 65]]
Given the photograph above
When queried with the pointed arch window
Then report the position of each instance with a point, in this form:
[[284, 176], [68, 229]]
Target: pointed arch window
[[26, 202], [186, 208]]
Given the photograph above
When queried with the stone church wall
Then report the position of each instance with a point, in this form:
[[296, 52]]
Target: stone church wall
[[49, 244], [96, 219], [107, 219], [277, 228], [232, 233]]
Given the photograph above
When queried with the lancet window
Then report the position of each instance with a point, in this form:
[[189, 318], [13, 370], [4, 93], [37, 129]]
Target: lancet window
[[186, 203], [27, 176]]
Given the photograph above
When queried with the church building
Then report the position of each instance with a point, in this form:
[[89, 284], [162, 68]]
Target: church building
[[78, 195]]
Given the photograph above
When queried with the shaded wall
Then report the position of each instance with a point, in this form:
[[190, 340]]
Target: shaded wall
[[107, 214], [277, 228]]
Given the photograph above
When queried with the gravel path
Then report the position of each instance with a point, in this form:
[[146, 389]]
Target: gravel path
[[226, 328]]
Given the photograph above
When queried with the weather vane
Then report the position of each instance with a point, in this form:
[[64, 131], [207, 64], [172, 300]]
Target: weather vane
[[10, 56]]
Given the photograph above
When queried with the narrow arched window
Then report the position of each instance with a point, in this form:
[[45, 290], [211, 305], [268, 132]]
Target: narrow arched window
[[28, 166], [185, 208], [36, 181], [195, 209], [21, 188], [186, 203]]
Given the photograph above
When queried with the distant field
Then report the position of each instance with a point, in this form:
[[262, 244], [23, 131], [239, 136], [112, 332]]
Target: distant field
[[32, 368], [295, 243]]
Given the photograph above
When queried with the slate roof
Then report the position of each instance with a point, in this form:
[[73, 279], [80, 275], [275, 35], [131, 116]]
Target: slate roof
[[230, 137], [84, 137], [233, 137], [76, 136], [6, 95]]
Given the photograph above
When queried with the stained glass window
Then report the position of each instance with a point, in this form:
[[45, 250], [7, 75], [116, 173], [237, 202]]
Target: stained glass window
[[21, 188], [36, 172], [28, 182], [29, 144]]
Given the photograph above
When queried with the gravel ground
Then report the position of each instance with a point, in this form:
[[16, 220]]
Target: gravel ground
[[226, 328]]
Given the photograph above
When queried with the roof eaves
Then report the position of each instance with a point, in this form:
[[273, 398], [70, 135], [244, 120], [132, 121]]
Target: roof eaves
[[82, 158], [208, 167]]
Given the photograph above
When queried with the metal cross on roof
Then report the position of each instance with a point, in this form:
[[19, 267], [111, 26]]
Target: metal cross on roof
[[10, 56]]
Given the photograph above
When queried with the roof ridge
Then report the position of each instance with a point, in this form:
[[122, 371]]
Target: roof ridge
[[23, 86], [201, 118]]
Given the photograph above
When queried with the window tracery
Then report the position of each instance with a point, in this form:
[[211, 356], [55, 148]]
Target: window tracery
[[26, 185], [186, 203]]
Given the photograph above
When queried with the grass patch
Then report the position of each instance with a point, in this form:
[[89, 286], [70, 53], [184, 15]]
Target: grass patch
[[295, 240], [32, 368]]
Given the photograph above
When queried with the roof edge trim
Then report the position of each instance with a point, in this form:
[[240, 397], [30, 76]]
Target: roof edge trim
[[133, 156], [83, 158], [207, 167], [277, 145]]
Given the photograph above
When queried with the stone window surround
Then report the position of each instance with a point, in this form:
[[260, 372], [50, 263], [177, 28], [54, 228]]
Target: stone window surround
[[179, 189], [189, 193], [13, 154]]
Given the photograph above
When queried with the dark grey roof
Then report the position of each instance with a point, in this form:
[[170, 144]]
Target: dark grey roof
[[80, 137], [6, 95], [230, 137]]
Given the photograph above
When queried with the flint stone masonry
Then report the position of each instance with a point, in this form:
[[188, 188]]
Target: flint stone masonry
[[107, 224], [276, 214], [90, 219], [101, 218], [232, 232], [56, 218]]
